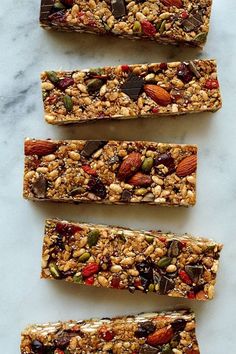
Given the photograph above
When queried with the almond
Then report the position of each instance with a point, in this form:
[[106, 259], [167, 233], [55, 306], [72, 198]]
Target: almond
[[158, 94], [40, 147], [187, 166], [177, 3], [130, 165], [161, 336], [192, 351], [140, 179]]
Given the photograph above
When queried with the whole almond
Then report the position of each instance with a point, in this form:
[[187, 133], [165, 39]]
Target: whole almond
[[158, 94], [187, 166], [177, 3], [130, 165], [161, 336], [40, 147], [140, 179]]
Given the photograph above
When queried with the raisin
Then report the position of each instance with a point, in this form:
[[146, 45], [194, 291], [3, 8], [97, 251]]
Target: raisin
[[144, 329], [97, 187]]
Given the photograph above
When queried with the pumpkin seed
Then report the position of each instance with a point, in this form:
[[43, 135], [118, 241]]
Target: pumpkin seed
[[147, 164], [84, 257], [68, 103], [164, 262], [54, 270], [78, 279], [93, 237], [52, 76]]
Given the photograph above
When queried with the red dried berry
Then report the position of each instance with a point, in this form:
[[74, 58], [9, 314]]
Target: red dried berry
[[90, 269], [115, 282], [89, 281], [184, 73], [155, 110], [89, 170], [191, 295], [184, 277], [137, 283], [52, 99], [125, 68], [65, 83], [185, 14], [148, 28], [163, 66], [68, 3], [212, 84], [66, 229], [59, 351], [58, 16], [106, 334]]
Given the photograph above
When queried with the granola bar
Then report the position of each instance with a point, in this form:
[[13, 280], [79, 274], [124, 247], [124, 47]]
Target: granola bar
[[146, 333], [114, 257], [163, 21], [110, 172], [130, 91]]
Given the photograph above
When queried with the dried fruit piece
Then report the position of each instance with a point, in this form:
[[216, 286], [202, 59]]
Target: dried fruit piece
[[93, 237], [39, 187], [58, 16], [68, 103], [194, 271], [91, 146], [40, 147], [90, 269], [187, 166], [140, 179], [176, 3], [62, 341], [148, 28], [211, 84], [130, 165], [118, 8], [184, 277], [184, 73], [97, 187], [115, 282], [68, 3], [158, 94], [63, 84], [161, 336], [54, 270], [89, 281], [178, 325], [167, 160], [133, 86], [106, 334], [89, 170], [144, 329], [67, 229]]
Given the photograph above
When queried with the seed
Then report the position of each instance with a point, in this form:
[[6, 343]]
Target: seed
[[93, 237], [52, 76], [78, 279], [137, 26], [162, 27], [116, 269], [68, 103], [102, 281], [171, 268], [149, 238], [84, 257], [147, 164], [94, 85], [166, 349], [164, 262], [54, 270]]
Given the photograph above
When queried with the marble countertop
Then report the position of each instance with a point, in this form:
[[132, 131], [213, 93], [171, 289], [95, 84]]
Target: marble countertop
[[25, 51]]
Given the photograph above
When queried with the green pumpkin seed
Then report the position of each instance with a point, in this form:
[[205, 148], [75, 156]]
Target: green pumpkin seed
[[162, 27], [93, 237], [164, 262], [166, 349], [158, 25], [200, 37], [149, 238], [137, 27], [52, 76], [84, 257], [147, 164], [78, 279], [94, 85], [58, 6], [151, 287], [54, 270], [68, 103]]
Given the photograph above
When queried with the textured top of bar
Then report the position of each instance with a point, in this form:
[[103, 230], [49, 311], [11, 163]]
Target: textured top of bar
[[146, 333], [130, 91], [164, 21], [114, 257], [110, 172]]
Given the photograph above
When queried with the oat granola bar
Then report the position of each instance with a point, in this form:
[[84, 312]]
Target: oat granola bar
[[146, 333], [163, 21], [110, 172], [114, 257], [130, 91]]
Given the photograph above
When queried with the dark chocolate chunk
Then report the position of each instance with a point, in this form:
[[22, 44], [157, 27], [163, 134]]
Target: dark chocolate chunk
[[178, 325], [133, 86], [97, 187], [165, 285], [173, 250], [144, 329], [145, 269], [46, 9], [37, 347], [193, 22], [148, 349], [118, 8], [194, 271], [125, 196], [39, 187], [92, 146], [58, 16]]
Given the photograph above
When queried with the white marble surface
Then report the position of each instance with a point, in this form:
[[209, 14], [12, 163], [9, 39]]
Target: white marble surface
[[24, 298]]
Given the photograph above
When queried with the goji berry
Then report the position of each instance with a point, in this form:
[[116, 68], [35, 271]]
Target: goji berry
[[148, 28], [212, 84], [89, 281], [184, 277], [115, 282], [66, 229], [65, 83], [59, 351], [163, 66], [89, 170], [184, 15], [106, 334], [90, 269], [125, 68], [155, 110], [191, 295]]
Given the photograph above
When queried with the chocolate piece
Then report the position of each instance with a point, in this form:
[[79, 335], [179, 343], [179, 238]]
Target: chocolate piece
[[39, 187], [131, 91], [126, 264], [193, 22], [133, 86], [118, 8], [46, 9], [194, 271], [117, 334], [91, 147]]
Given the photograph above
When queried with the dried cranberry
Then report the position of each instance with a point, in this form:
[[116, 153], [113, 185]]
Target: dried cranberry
[[115, 282], [37, 347], [89, 281], [97, 187], [62, 341], [66, 229], [89, 170], [144, 329], [106, 334], [184, 277], [58, 16], [163, 66], [185, 14], [178, 325], [155, 110], [212, 84], [65, 83], [167, 160], [68, 3], [148, 28], [191, 295], [125, 68], [184, 73]]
